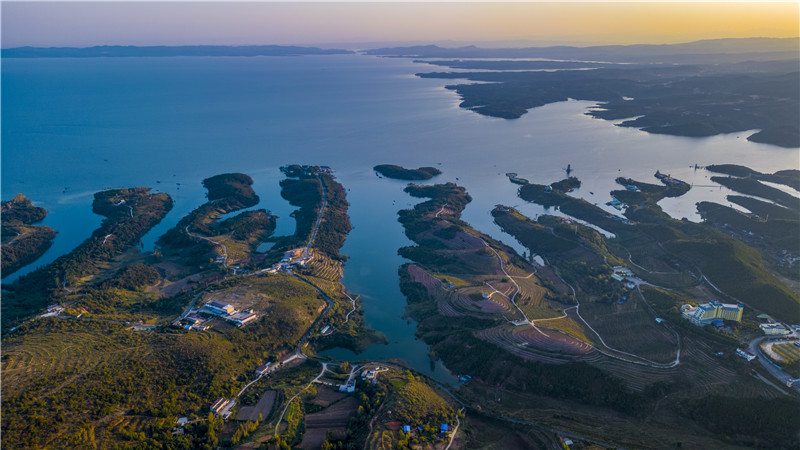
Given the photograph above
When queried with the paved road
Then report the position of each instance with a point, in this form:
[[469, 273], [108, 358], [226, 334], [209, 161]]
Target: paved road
[[319, 217], [771, 367], [639, 360]]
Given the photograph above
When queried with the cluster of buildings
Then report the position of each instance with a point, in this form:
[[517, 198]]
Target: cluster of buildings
[[668, 180], [712, 312], [621, 274], [229, 313], [195, 322], [223, 407], [180, 424], [444, 428], [291, 258], [265, 369], [348, 387], [745, 354], [296, 170], [198, 319], [52, 311], [774, 329], [371, 375]]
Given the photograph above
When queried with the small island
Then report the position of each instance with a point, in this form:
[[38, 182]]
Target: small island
[[401, 173]]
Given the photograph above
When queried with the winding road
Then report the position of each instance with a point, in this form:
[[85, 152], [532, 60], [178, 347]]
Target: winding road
[[640, 360]]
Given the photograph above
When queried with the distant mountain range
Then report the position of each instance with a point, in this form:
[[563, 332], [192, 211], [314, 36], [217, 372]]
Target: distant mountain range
[[707, 51], [160, 50], [712, 51]]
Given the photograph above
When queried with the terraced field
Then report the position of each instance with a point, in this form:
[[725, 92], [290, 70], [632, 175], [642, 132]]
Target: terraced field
[[465, 301], [326, 268], [51, 355], [333, 419], [632, 329], [548, 346], [636, 376], [570, 325], [129, 428]]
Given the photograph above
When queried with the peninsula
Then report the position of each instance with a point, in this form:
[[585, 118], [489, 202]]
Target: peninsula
[[677, 89], [23, 242]]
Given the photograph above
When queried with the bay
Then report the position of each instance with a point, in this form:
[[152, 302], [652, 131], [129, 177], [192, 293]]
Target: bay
[[71, 127]]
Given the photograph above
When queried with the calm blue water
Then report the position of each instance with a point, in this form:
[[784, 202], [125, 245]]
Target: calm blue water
[[81, 125]]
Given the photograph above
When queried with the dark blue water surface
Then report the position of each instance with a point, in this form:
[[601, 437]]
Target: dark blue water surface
[[71, 127]]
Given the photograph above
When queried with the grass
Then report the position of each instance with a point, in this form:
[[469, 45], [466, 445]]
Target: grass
[[632, 329], [266, 292], [570, 326], [457, 282]]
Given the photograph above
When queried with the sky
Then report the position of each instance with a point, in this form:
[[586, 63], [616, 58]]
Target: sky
[[81, 24]]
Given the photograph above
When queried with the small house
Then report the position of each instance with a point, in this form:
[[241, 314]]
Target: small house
[[263, 369], [745, 354]]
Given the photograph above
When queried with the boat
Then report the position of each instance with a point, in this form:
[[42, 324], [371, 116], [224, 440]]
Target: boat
[[519, 180]]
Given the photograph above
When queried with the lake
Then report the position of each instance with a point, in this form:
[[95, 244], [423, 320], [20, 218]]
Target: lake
[[71, 127]]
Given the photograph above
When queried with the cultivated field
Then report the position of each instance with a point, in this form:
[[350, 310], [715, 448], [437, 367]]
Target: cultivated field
[[787, 352], [332, 419], [263, 407], [539, 344], [465, 301], [632, 329]]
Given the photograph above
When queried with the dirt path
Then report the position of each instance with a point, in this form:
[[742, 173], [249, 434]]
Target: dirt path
[[278, 424], [353, 301], [224, 248], [453, 435]]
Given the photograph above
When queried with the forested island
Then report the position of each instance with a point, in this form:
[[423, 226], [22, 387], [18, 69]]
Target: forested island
[[23, 242], [401, 173]]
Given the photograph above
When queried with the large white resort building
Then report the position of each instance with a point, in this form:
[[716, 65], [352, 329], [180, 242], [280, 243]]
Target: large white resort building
[[711, 311]]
